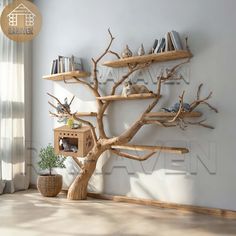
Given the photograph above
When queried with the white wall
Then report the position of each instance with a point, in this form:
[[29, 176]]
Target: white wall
[[80, 28]]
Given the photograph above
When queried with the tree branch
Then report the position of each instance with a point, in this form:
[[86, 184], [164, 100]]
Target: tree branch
[[114, 53], [199, 101], [95, 62], [133, 157], [81, 166], [200, 123], [95, 92]]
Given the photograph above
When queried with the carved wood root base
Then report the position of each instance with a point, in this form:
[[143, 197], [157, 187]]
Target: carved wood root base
[[78, 192]]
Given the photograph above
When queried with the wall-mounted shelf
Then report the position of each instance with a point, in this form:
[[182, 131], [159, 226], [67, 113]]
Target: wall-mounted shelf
[[176, 150], [67, 75], [159, 57], [130, 97], [173, 114]]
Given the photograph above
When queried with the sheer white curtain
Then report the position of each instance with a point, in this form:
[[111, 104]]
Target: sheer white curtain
[[13, 154]]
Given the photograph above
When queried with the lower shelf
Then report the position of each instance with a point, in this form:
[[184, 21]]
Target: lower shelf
[[176, 150]]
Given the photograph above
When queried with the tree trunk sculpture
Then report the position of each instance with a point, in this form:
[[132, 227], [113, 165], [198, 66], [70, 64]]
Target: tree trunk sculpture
[[78, 189]]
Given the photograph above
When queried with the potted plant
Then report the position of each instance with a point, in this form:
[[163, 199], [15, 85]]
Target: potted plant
[[49, 185]]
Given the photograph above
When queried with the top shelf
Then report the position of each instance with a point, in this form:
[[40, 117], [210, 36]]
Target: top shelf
[[159, 57], [67, 75]]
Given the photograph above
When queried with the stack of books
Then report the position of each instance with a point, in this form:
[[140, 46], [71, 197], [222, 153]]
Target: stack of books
[[66, 64], [170, 42]]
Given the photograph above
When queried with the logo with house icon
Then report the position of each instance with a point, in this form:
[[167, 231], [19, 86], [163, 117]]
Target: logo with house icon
[[21, 20], [21, 12]]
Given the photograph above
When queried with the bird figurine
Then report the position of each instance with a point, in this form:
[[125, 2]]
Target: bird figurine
[[126, 52], [61, 108], [186, 107], [141, 50]]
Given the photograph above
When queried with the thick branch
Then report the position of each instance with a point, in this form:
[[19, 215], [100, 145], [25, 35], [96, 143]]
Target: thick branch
[[78, 162], [133, 157]]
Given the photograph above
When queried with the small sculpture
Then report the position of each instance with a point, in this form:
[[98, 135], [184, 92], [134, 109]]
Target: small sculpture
[[141, 50], [72, 124], [186, 107], [186, 44], [61, 108], [126, 53], [130, 88]]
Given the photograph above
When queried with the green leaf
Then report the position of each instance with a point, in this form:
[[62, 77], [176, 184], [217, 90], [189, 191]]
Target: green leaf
[[49, 160]]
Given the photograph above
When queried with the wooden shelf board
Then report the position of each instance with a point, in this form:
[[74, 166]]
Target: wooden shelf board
[[130, 97], [67, 75], [176, 150], [159, 57], [173, 114], [86, 114]]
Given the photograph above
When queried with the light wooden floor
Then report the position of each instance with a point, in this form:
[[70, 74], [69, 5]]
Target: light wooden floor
[[29, 214]]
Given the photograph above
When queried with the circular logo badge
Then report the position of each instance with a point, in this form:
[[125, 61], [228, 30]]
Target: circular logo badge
[[21, 20]]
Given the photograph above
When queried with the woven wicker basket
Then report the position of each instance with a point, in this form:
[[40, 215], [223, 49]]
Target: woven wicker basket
[[49, 186]]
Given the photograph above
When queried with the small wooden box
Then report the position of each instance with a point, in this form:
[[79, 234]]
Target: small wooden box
[[80, 138]]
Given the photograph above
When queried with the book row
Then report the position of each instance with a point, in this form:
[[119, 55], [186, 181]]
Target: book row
[[66, 64]]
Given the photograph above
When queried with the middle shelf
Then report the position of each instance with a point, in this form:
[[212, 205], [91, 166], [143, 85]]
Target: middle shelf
[[130, 97]]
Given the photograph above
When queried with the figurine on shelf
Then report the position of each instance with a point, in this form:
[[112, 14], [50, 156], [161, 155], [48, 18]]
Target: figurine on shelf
[[175, 108], [72, 124], [186, 44], [130, 88], [61, 108], [126, 53], [141, 50]]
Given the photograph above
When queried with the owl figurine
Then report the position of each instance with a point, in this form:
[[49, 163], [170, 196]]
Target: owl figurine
[[126, 53]]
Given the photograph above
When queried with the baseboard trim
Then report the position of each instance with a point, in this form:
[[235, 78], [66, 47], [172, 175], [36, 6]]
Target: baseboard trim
[[165, 205], [181, 207]]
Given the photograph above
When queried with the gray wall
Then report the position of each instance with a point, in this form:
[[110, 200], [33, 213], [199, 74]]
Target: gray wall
[[205, 176]]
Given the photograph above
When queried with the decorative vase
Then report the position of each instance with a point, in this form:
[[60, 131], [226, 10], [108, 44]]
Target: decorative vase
[[141, 50], [126, 53], [49, 185]]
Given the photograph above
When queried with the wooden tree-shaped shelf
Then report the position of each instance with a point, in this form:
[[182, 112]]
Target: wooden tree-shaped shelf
[[120, 143], [67, 75], [159, 57]]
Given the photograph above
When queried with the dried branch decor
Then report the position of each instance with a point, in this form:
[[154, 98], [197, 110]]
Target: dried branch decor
[[78, 189]]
